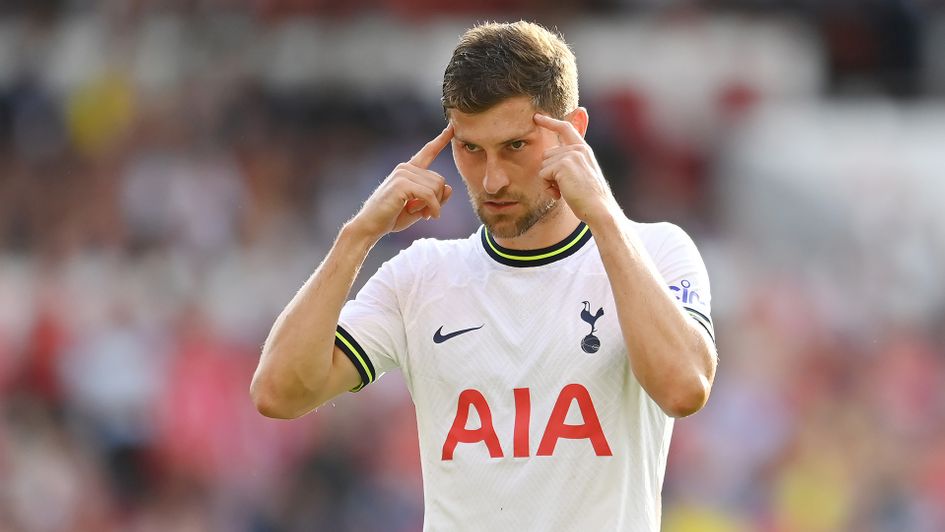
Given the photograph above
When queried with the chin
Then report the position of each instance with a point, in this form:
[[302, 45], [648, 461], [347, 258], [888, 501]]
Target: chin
[[506, 230], [510, 226], [501, 226]]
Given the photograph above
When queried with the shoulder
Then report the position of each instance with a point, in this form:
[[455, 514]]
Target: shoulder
[[663, 238], [425, 255], [435, 249]]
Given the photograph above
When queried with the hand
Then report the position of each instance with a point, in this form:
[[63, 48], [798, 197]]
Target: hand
[[572, 171], [409, 193]]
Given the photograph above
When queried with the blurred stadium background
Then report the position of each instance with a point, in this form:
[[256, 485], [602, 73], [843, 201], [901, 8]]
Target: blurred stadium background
[[171, 171]]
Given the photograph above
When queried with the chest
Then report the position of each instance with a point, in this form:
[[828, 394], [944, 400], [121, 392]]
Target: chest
[[510, 331]]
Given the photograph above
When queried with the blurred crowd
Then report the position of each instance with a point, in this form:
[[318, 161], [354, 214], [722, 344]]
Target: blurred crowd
[[153, 225]]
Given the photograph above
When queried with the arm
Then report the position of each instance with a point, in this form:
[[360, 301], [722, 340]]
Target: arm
[[300, 367], [671, 356]]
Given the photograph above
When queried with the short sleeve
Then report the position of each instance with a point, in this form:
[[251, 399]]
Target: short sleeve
[[371, 327], [687, 280]]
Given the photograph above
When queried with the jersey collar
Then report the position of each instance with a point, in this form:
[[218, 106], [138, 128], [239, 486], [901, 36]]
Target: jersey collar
[[524, 258]]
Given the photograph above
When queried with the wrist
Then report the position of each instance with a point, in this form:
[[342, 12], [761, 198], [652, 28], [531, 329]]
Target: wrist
[[610, 219], [357, 235]]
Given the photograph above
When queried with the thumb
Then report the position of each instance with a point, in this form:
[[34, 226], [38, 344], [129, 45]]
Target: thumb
[[413, 206], [447, 193]]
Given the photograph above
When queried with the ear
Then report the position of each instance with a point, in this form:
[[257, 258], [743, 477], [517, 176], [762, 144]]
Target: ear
[[579, 120]]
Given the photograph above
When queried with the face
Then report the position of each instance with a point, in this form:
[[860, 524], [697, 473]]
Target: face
[[499, 153]]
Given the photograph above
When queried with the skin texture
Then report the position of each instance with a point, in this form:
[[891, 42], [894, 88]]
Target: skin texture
[[531, 178], [300, 368], [500, 153]]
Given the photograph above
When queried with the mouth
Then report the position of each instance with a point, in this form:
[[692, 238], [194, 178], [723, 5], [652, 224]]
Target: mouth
[[499, 205]]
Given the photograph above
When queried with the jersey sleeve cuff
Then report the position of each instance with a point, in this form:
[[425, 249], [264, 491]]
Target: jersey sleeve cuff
[[702, 320], [350, 347]]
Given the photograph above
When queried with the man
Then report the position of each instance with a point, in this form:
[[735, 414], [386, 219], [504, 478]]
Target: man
[[548, 353]]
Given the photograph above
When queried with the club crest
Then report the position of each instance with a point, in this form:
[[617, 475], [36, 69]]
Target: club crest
[[590, 343]]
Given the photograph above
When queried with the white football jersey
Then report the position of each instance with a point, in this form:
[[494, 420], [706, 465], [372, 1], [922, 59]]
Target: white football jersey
[[529, 415]]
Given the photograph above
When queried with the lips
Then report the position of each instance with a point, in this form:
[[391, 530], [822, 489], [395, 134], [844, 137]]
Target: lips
[[499, 205]]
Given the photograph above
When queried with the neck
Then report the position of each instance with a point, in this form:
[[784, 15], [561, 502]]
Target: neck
[[550, 230]]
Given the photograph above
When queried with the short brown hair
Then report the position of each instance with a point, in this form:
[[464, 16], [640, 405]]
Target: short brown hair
[[496, 61]]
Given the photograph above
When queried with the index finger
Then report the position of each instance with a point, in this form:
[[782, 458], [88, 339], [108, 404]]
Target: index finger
[[563, 128], [427, 153]]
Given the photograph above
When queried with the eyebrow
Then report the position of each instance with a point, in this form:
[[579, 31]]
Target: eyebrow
[[504, 142]]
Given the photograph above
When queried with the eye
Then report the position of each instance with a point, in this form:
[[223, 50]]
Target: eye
[[517, 145], [471, 148]]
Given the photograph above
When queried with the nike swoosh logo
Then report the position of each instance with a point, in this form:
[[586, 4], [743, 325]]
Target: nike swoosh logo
[[439, 337]]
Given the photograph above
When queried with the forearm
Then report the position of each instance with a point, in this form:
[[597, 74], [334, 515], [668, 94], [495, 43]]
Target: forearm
[[300, 367], [297, 356], [669, 355]]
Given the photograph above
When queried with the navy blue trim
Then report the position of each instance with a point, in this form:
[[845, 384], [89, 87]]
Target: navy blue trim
[[702, 320], [561, 250], [361, 361]]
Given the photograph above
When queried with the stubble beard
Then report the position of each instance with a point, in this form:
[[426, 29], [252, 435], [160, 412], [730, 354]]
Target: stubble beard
[[506, 225]]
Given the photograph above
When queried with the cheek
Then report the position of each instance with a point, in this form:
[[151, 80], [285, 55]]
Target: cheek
[[527, 163], [467, 164]]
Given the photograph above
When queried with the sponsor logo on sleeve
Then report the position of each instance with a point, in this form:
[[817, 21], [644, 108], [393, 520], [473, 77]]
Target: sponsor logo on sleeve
[[686, 293]]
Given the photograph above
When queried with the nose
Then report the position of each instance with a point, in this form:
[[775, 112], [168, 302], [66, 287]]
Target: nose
[[495, 179]]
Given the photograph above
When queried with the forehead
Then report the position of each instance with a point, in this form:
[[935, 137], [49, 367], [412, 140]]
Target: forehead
[[507, 120]]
